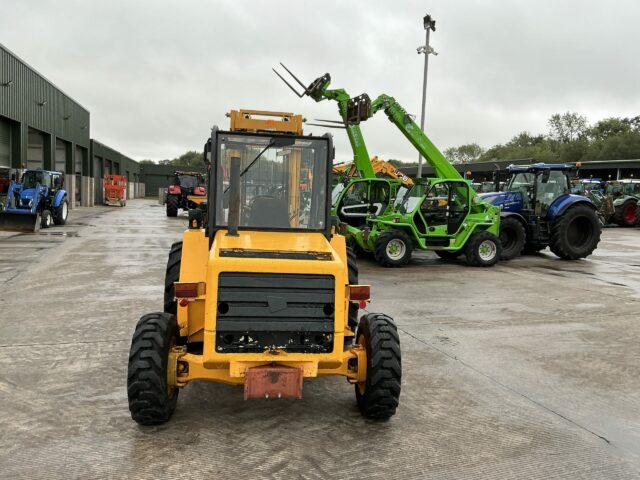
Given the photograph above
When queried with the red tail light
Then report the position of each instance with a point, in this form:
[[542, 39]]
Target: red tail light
[[174, 189], [359, 292], [189, 290], [199, 191]]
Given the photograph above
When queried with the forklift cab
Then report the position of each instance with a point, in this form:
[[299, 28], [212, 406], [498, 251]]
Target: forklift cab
[[439, 206], [362, 198]]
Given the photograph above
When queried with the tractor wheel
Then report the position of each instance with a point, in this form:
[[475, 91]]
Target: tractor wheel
[[576, 233], [512, 237], [171, 276], [172, 206], [352, 265], [378, 396], [447, 254], [61, 213], [393, 248], [151, 400], [483, 249], [626, 214], [46, 219]]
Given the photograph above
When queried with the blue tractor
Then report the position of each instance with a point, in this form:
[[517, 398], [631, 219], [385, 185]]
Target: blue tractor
[[37, 200], [538, 211]]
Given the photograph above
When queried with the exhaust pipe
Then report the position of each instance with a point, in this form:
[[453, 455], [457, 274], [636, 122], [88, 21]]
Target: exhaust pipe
[[234, 198]]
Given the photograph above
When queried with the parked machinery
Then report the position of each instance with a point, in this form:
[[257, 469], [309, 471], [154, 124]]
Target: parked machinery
[[594, 190], [187, 190], [443, 214], [37, 200], [539, 211], [267, 295], [625, 194], [115, 190]]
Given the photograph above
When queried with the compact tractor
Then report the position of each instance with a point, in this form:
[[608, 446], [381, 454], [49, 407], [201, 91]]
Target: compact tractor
[[267, 295], [187, 191], [625, 194], [38, 200], [443, 214], [539, 211]]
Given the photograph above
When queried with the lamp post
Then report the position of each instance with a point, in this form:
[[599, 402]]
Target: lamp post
[[429, 25]]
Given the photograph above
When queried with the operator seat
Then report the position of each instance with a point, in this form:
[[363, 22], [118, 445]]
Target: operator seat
[[268, 212]]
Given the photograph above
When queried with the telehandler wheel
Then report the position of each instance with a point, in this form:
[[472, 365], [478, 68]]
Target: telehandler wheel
[[576, 233], [483, 249], [151, 400], [378, 396], [171, 276], [512, 237], [447, 255], [172, 206], [393, 248], [626, 214], [61, 213], [46, 220]]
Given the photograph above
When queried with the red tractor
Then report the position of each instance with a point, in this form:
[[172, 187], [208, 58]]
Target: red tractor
[[187, 190]]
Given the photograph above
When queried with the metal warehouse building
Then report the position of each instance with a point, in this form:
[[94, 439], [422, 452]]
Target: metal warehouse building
[[42, 127]]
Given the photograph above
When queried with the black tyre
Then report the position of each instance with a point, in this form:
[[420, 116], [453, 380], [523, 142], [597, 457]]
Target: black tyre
[[46, 219], [172, 275], [393, 248], [172, 206], [513, 237], [483, 249], [352, 265], [626, 215], [61, 213], [576, 233], [151, 400], [447, 255], [378, 397]]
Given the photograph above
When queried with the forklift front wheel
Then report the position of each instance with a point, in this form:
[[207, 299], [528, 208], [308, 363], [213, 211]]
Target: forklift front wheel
[[378, 396]]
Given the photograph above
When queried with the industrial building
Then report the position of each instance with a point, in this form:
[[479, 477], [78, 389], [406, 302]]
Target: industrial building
[[43, 127]]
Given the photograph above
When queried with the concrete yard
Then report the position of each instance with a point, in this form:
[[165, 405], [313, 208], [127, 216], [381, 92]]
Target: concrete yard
[[530, 369]]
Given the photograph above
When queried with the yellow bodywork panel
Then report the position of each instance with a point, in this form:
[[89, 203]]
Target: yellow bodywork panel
[[197, 319]]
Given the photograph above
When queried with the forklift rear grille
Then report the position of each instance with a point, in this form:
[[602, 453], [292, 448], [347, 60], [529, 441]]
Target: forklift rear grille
[[272, 311]]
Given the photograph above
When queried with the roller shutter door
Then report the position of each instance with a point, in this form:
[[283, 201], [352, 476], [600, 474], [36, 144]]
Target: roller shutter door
[[5, 143], [35, 149], [61, 156]]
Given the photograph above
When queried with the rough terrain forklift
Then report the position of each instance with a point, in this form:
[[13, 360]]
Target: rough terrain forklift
[[444, 214], [266, 295]]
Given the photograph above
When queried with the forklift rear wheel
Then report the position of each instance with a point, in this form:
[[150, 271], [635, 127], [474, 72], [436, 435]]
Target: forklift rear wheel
[[46, 220], [483, 249], [172, 206], [378, 396], [512, 237], [393, 248], [172, 275], [61, 213], [151, 400]]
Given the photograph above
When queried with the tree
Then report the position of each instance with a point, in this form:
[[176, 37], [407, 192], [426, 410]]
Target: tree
[[567, 127], [469, 152], [188, 159], [146, 162]]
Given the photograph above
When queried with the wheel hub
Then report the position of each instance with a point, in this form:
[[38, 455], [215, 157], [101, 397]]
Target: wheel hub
[[487, 250], [396, 249]]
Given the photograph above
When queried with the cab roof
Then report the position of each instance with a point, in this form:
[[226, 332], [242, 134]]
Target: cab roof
[[539, 167]]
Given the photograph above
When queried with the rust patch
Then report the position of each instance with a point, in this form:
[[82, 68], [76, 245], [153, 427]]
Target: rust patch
[[273, 382]]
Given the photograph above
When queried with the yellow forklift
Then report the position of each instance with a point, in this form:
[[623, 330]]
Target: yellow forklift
[[266, 295]]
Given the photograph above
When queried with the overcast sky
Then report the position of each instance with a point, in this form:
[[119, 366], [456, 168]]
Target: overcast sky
[[156, 75]]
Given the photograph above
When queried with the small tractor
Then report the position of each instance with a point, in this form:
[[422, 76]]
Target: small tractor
[[625, 194], [187, 191], [396, 222], [267, 295], [115, 190], [539, 211], [37, 201]]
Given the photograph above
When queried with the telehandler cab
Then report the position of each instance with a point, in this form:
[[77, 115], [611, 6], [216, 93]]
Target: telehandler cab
[[267, 294]]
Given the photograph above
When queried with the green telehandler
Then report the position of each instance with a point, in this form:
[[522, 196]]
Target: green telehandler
[[442, 214]]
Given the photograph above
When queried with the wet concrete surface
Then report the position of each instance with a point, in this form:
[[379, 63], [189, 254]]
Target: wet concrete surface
[[530, 369]]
